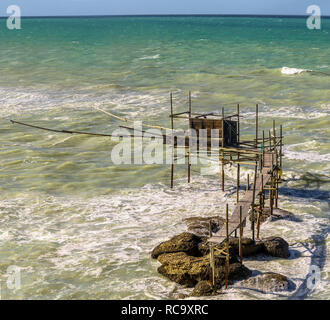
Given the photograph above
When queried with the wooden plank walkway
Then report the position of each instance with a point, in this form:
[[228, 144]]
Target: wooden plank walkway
[[246, 202]]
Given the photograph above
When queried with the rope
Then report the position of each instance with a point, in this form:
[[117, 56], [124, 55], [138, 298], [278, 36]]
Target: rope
[[127, 120]]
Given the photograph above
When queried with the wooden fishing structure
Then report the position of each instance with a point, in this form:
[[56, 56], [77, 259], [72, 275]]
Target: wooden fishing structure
[[263, 153], [209, 131]]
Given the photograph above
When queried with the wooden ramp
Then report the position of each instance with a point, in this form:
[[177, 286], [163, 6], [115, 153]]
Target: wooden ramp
[[246, 202]]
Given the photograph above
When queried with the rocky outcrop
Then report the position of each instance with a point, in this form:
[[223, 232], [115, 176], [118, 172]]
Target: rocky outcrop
[[201, 226], [268, 283], [276, 247], [278, 214], [272, 246], [183, 269], [187, 270], [185, 260], [184, 242], [203, 289], [249, 247]]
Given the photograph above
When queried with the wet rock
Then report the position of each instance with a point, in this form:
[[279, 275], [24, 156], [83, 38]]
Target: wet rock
[[249, 247], [203, 289], [183, 269], [187, 270], [200, 226], [268, 283], [203, 247], [180, 296], [273, 246], [204, 250], [237, 271], [276, 247], [184, 242], [278, 214]]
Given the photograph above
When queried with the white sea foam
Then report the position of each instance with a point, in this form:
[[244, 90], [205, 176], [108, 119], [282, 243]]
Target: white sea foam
[[103, 239], [150, 57], [306, 156], [287, 112], [290, 71], [131, 104]]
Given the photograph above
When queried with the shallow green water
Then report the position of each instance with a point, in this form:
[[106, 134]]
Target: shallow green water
[[81, 227]]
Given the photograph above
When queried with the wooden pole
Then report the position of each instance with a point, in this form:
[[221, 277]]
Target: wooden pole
[[223, 144], [270, 141], [227, 247], [223, 127], [271, 200], [240, 235], [248, 183], [263, 148], [189, 164], [257, 124], [238, 124], [210, 228], [253, 200], [238, 180], [281, 134], [276, 181], [212, 266], [172, 127], [260, 213], [274, 132]]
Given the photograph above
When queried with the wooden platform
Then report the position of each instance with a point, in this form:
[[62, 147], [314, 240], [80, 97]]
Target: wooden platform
[[246, 202]]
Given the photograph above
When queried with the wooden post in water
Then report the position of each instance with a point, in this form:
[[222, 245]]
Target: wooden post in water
[[276, 181], [227, 248], [238, 124], [260, 213], [271, 195], [240, 235], [189, 164], [263, 149], [172, 127], [253, 200], [223, 144], [274, 133], [257, 124], [248, 183], [281, 134], [238, 179]]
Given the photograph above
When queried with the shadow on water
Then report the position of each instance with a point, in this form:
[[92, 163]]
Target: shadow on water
[[318, 258], [314, 194], [309, 188]]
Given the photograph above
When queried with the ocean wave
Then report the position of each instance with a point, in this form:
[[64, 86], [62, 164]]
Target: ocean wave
[[103, 239], [130, 103], [150, 57], [291, 71], [306, 156], [287, 112]]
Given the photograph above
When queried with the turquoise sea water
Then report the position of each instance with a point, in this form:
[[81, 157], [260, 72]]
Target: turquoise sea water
[[80, 227]]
